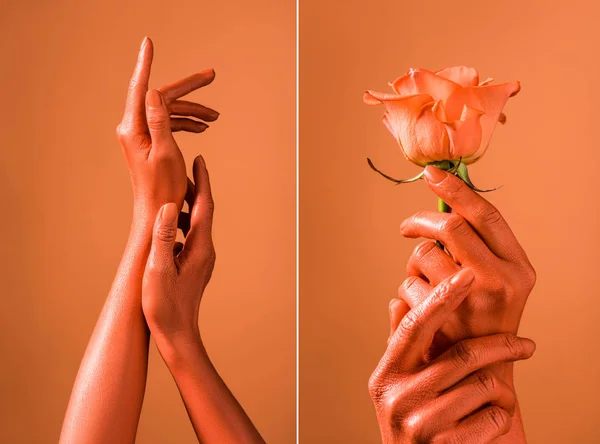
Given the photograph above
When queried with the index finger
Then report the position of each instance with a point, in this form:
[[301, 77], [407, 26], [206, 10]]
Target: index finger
[[481, 215], [135, 106], [187, 85], [411, 340]]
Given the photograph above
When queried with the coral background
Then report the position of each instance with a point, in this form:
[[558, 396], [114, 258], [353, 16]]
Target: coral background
[[352, 257], [66, 199]]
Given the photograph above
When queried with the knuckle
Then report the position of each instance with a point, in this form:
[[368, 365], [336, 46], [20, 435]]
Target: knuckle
[[497, 418], [414, 426], [529, 277], [158, 120], [453, 224], [407, 284], [485, 381], [488, 215], [410, 323], [166, 233], [512, 344], [465, 354], [423, 249], [123, 132]]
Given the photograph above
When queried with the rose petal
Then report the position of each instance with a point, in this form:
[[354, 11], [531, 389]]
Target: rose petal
[[377, 98], [439, 111], [421, 81], [489, 99], [410, 119], [462, 75], [486, 81], [465, 135]]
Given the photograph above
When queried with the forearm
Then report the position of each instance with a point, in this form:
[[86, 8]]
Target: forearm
[[216, 415], [107, 395]]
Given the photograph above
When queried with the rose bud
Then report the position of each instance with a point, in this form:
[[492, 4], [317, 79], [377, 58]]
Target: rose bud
[[445, 118]]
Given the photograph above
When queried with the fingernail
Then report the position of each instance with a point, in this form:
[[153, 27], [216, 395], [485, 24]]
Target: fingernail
[[393, 304], [463, 278], [434, 175], [201, 160], [169, 213], [144, 41], [528, 346], [154, 99], [214, 114]]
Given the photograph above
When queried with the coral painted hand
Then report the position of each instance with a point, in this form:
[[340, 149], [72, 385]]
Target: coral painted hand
[[453, 398], [476, 236], [155, 162], [444, 115], [174, 281]]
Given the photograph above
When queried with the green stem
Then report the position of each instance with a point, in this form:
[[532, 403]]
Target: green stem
[[443, 207]]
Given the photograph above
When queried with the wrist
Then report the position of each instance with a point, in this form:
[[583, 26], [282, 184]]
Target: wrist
[[180, 349]]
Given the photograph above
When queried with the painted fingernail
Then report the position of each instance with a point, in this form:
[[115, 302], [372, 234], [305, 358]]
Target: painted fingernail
[[169, 213], [154, 99], [463, 278], [434, 175]]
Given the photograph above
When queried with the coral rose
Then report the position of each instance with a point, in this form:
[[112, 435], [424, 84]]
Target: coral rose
[[443, 115]]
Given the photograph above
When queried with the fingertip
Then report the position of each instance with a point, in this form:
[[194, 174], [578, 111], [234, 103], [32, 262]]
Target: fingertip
[[528, 345], [168, 213], [200, 160], [154, 99], [463, 278], [434, 175]]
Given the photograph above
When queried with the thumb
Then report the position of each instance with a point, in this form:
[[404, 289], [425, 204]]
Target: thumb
[[163, 238], [158, 118]]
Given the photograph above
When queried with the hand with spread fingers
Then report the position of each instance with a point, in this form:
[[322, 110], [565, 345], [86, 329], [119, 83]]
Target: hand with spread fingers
[[453, 398], [151, 116]]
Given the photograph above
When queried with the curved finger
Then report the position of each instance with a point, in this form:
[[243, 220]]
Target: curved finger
[[135, 111], [471, 355], [414, 334], [414, 290], [191, 109], [451, 230], [160, 258], [480, 428], [185, 86], [482, 215], [158, 119], [430, 262], [199, 239], [398, 308], [188, 125], [471, 394]]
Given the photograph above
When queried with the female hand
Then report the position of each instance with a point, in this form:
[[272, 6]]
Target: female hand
[[454, 398], [175, 275], [155, 162], [476, 236]]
